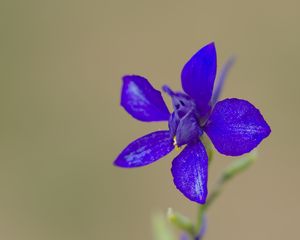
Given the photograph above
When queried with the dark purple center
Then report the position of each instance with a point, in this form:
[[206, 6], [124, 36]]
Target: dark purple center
[[184, 122]]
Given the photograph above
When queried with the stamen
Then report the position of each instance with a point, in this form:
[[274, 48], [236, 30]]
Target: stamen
[[177, 148]]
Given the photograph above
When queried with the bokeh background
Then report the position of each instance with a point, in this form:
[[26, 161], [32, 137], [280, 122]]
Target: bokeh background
[[61, 125]]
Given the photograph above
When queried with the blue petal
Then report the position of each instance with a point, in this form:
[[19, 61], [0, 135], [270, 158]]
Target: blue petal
[[173, 123], [188, 130], [182, 103], [198, 76], [145, 150], [236, 127], [189, 171], [142, 101], [221, 79]]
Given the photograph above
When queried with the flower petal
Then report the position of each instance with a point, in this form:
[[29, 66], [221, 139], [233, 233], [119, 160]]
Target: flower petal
[[188, 130], [173, 123], [236, 127], [142, 101], [198, 76], [221, 79], [189, 171], [145, 150]]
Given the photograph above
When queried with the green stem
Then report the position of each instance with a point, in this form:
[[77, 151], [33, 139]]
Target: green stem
[[201, 209], [214, 195], [230, 172]]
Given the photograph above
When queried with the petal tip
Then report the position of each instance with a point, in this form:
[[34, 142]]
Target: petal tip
[[126, 78], [120, 163], [211, 47], [211, 44], [269, 130]]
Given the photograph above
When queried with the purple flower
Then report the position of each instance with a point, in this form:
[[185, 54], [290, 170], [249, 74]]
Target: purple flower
[[234, 125]]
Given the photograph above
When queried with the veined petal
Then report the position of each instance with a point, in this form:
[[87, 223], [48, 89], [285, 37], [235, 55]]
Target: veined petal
[[236, 127], [198, 76], [145, 150], [221, 79], [189, 171], [142, 101]]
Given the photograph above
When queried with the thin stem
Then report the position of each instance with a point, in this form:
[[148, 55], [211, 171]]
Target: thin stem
[[214, 194], [231, 171], [201, 209]]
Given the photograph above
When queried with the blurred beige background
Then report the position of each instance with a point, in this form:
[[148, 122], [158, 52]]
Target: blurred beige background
[[61, 124]]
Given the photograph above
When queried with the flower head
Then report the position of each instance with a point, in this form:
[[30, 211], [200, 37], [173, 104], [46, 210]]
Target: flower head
[[234, 125]]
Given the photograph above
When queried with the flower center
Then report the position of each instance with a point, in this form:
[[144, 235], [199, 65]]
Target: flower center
[[184, 121]]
